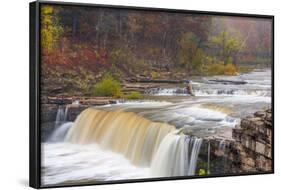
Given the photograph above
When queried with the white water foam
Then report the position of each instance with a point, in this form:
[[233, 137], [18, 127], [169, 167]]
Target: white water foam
[[65, 162], [59, 133]]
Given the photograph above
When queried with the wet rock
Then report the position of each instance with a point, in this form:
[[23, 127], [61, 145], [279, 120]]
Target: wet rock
[[268, 117], [252, 148], [48, 112], [74, 111], [46, 130], [59, 100], [260, 114]]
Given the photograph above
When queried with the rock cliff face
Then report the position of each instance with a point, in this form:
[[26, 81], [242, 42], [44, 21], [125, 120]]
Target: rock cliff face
[[252, 150]]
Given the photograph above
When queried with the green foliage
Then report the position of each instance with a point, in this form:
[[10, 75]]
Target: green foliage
[[50, 29], [219, 69], [134, 95], [227, 44], [190, 55], [154, 75], [202, 172], [108, 87]]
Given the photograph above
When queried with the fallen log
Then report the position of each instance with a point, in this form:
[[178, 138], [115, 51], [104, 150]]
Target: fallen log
[[146, 80], [228, 81]]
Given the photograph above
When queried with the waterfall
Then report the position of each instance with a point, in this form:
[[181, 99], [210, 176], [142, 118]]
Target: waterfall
[[145, 143], [61, 116], [59, 134], [176, 156], [126, 133]]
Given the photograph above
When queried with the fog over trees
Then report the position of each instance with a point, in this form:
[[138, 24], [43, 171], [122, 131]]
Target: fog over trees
[[78, 44]]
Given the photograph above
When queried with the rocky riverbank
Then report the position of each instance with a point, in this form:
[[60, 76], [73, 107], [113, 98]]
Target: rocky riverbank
[[253, 147], [249, 150]]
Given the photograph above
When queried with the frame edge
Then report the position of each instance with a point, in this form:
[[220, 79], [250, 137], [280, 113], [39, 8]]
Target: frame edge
[[34, 166]]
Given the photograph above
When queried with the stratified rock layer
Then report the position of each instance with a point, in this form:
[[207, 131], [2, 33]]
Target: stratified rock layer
[[252, 149]]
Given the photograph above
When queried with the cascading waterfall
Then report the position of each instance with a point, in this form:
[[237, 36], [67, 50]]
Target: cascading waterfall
[[176, 156], [61, 115], [60, 132], [127, 133], [157, 145]]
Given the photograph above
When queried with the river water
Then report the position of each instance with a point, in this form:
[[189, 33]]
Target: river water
[[215, 109]]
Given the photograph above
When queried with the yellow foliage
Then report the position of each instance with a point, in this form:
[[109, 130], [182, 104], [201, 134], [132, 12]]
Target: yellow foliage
[[230, 69], [134, 95], [108, 86], [46, 9], [50, 30], [219, 69], [154, 75], [202, 172]]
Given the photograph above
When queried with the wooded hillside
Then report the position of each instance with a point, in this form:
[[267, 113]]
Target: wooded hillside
[[79, 45]]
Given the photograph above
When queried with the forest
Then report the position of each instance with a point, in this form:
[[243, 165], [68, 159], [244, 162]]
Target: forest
[[85, 50]]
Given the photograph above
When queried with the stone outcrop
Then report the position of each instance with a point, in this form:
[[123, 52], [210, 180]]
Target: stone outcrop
[[249, 150], [252, 150], [75, 105], [94, 101]]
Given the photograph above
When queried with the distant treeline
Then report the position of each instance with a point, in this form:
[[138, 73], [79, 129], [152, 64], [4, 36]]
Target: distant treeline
[[127, 43]]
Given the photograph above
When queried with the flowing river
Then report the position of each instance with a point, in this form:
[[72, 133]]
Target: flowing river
[[157, 137]]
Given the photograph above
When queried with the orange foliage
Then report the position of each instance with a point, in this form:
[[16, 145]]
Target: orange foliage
[[71, 56]]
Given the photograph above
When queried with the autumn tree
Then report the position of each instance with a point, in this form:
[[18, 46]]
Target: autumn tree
[[189, 55], [50, 29], [227, 45]]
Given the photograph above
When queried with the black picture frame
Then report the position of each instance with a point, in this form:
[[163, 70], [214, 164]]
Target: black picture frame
[[34, 90]]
